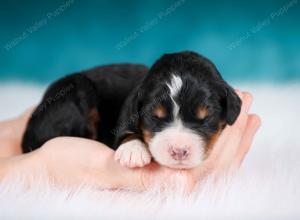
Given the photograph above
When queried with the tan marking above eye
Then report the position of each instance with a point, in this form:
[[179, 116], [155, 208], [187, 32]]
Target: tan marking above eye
[[201, 112], [160, 111]]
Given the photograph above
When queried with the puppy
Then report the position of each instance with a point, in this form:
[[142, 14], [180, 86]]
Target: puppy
[[172, 112], [85, 104], [177, 112]]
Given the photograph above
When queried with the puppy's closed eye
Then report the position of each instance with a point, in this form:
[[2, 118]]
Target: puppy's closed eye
[[201, 112]]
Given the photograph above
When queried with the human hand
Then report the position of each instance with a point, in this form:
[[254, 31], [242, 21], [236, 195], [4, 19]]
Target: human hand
[[71, 161]]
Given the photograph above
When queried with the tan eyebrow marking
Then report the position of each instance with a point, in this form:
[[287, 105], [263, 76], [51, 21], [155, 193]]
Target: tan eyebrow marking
[[160, 111], [201, 112]]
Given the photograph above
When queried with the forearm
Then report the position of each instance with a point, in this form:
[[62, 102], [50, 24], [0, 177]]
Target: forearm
[[69, 162], [72, 161], [17, 165]]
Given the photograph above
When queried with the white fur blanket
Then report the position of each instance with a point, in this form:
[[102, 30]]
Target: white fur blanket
[[266, 187]]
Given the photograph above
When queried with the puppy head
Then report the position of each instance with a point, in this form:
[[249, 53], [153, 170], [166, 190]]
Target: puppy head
[[181, 107]]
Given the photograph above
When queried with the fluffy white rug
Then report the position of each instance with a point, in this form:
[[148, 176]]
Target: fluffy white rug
[[266, 187]]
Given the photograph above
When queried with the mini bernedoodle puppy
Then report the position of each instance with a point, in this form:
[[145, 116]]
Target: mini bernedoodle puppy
[[172, 112]]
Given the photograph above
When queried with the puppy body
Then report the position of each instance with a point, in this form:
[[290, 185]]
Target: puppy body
[[171, 112], [85, 104]]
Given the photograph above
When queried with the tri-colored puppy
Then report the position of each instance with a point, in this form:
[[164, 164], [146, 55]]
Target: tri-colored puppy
[[172, 112]]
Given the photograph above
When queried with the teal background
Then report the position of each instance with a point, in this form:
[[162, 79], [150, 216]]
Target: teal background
[[88, 33]]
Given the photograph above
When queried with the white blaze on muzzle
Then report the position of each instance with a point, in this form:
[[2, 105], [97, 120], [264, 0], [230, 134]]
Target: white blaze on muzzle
[[177, 147]]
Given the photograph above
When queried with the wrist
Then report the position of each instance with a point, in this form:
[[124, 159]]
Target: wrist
[[126, 178]]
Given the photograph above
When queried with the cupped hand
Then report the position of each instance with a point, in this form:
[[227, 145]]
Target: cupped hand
[[76, 161]]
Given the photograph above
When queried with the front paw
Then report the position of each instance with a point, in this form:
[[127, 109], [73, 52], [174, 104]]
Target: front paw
[[133, 154]]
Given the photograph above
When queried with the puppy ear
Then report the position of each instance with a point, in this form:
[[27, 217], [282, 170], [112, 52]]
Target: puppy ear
[[129, 120], [231, 105]]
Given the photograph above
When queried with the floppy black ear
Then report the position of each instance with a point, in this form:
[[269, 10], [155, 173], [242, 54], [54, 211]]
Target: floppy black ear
[[129, 120], [231, 105]]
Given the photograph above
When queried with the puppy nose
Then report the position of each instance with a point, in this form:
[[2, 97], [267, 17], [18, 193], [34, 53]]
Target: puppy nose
[[179, 153]]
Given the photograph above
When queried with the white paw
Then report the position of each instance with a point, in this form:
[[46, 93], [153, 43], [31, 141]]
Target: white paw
[[133, 154]]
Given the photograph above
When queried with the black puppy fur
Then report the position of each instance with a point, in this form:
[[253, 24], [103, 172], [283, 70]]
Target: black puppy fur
[[85, 104], [112, 103]]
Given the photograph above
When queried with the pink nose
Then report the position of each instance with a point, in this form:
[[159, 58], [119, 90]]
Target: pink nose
[[179, 153]]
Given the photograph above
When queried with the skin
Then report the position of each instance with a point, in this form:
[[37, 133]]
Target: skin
[[71, 161]]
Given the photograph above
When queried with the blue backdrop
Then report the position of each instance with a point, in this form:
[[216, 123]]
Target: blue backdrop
[[248, 40]]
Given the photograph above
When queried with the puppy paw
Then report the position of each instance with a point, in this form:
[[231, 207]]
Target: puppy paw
[[133, 154]]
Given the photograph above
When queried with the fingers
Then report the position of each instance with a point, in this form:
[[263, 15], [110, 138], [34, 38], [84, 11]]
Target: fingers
[[219, 145], [253, 124], [241, 121], [230, 138], [233, 144]]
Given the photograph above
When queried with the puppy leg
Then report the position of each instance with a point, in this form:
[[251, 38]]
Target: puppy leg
[[133, 154]]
